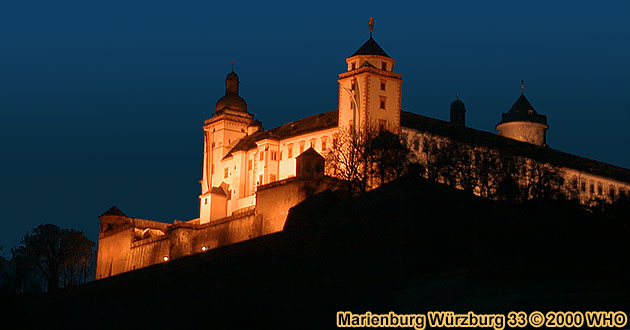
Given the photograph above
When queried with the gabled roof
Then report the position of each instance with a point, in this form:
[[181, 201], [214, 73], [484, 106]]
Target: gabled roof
[[306, 125], [218, 191], [522, 110], [310, 152], [490, 140], [113, 211], [370, 47]]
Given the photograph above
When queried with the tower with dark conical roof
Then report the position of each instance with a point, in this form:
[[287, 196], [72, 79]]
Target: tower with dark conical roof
[[370, 90], [523, 123]]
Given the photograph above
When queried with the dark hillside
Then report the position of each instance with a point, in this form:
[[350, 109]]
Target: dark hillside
[[410, 246]]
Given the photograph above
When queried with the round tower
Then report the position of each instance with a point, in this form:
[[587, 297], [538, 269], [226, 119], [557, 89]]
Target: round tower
[[523, 123]]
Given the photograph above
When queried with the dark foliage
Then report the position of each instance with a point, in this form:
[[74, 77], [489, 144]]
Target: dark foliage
[[49, 257]]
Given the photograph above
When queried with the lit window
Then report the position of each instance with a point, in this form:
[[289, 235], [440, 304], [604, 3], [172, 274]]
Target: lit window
[[226, 171], [290, 150]]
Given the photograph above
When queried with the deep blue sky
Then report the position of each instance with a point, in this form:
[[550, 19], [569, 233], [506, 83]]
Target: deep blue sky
[[102, 103]]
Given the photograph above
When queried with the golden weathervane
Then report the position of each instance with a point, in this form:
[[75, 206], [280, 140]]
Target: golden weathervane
[[371, 25]]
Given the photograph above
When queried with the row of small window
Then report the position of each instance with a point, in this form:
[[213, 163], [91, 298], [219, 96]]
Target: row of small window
[[383, 85], [273, 154], [383, 102], [600, 189], [384, 66]]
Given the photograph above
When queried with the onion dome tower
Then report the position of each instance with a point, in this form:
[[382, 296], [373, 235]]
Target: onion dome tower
[[229, 123], [231, 100], [523, 123], [458, 112]]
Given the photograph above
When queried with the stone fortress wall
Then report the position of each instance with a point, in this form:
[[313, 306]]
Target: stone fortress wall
[[127, 243]]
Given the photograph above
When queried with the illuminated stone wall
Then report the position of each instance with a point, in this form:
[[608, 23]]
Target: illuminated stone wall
[[113, 252], [274, 200], [586, 187], [524, 131], [123, 249]]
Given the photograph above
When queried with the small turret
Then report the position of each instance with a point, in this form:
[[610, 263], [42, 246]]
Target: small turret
[[523, 123], [458, 112]]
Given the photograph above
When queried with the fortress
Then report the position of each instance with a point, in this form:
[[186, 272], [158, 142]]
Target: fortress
[[252, 177]]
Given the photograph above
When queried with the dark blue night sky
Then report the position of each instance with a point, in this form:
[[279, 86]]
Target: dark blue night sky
[[103, 103]]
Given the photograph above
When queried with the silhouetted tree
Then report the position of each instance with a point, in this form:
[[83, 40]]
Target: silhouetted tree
[[5, 273], [389, 156], [366, 159], [78, 253], [55, 252], [24, 277]]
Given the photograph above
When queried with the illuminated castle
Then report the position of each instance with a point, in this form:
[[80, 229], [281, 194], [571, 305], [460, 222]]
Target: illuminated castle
[[252, 177]]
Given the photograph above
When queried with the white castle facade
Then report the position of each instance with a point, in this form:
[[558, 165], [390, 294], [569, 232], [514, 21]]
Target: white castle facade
[[251, 176]]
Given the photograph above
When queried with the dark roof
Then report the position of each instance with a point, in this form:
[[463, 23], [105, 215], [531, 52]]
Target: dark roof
[[306, 125], [370, 47], [113, 211], [310, 152], [522, 110], [540, 153], [231, 101], [217, 191], [458, 105]]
